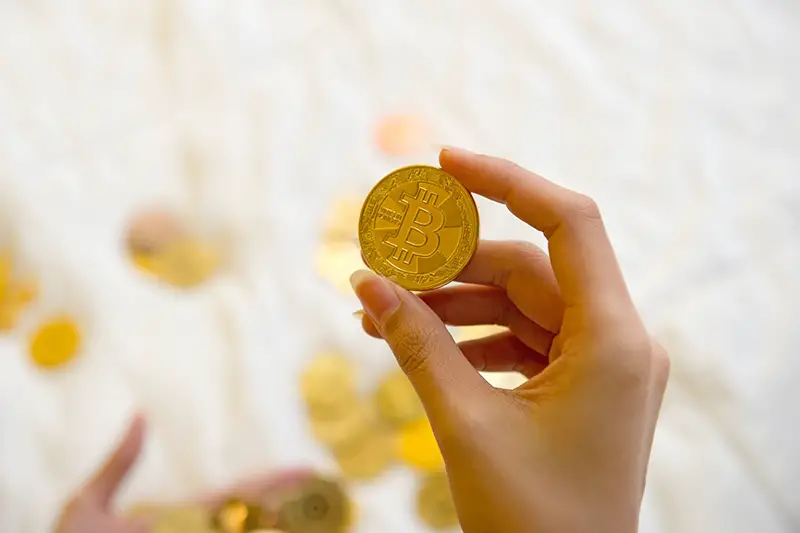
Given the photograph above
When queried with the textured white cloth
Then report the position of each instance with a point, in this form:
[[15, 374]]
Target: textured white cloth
[[679, 117]]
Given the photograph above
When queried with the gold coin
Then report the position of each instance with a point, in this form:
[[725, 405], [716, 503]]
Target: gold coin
[[336, 260], [418, 227], [328, 385], [237, 516], [317, 505], [183, 520], [341, 224], [185, 263], [5, 273], [397, 401], [55, 342], [435, 502], [368, 457], [417, 447], [353, 424]]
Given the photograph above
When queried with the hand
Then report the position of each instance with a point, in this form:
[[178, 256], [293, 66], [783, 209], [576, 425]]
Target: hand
[[568, 450], [89, 511]]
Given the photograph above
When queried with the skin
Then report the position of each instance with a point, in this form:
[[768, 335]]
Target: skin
[[568, 450], [91, 510]]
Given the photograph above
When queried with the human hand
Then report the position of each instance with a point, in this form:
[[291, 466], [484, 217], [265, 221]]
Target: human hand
[[568, 450], [89, 511]]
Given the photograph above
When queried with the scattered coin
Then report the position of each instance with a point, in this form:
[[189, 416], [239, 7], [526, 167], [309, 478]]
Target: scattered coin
[[401, 134], [15, 294], [183, 520], [341, 224], [417, 447], [418, 227], [369, 457], [238, 516], [335, 261], [55, 342], [328, 385], [353, 424], [435, 502], [317, 505], [397, 401], [185, 263]]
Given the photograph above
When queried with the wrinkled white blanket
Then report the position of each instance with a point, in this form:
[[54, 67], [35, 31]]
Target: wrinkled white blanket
[[679, 117]]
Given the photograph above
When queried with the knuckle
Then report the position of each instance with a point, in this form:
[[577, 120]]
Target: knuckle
[[413, 347], [661, 364], [582, 207]]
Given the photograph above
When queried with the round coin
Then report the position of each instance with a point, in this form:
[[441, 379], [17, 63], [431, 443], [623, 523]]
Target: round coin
[[318, 505], [55, 342], [328, 386], [185, 263], [368, 457], [352, 425], [417, 447], [435, 502], [183, 520], [418, 227], [237, 516], [397, 401]]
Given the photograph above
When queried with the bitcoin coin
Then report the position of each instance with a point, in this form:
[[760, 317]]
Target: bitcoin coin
[[397, 401], [435, 502], [417, 447], [367, 458], [418, 227], [183, 520], [317, 505], [55, 342], [328, 385], [185, 263]]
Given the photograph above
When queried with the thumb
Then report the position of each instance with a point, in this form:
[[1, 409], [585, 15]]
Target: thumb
[[418, 338], [106, 481]]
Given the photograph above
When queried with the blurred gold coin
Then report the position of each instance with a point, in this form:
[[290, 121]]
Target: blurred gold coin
[[317, 505], [152, 230], [417, 447], [238, 516], [5, 273], [435, 502], [336, 260], [368, 457], [353, 424], [341, 224], [183, 520], [15, 294], [185, 263], [55, 342], [401, 134], [328, 385], [418, 227], [397, 401]]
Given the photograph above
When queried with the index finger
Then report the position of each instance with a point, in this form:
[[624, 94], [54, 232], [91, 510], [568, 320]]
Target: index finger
[[580, 252]]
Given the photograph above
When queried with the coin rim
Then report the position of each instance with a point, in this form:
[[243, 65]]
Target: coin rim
[[402, 282]]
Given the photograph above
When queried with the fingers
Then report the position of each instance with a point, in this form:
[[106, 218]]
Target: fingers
[[524, 271], [102, 486], [420, 341], [469, 305], [580, 252], [503, 352]]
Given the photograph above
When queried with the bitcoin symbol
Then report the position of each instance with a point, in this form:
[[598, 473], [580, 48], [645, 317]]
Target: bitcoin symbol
[[418, 235]]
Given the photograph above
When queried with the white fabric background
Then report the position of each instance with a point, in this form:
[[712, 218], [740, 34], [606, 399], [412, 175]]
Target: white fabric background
[[679, 117]]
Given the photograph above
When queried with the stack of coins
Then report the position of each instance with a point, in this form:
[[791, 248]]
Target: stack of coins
[[162, 246], [338, 254], [15, 293]]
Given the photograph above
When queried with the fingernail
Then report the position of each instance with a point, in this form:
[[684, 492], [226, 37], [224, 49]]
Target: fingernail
[[376, 294], [454, 150], [358, 315]]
